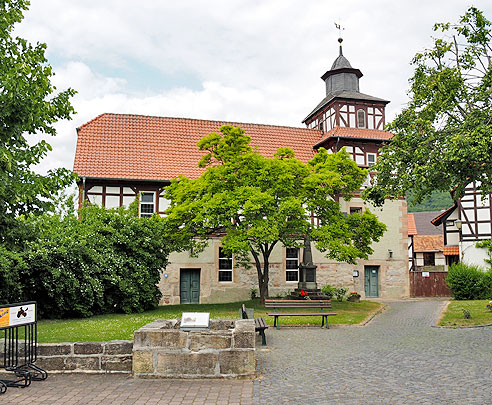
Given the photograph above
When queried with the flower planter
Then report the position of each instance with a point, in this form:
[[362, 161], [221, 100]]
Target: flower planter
[[353, 299]]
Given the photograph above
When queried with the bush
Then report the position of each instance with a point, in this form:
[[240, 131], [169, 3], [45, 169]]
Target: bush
[[105, 261], [340, 293], [11, 264], [328, 290], [469, 282]]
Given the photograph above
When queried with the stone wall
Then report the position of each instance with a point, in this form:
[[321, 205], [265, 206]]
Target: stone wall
[[89, 357], [227, 349]]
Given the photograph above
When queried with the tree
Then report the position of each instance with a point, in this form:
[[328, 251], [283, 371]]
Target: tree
[[27, 106], [443, 138], [256, 203]]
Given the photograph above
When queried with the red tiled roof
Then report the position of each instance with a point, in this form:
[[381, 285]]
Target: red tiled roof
[[412, 228], [451, 250], [357, 133], [428, 243], [159, 148]]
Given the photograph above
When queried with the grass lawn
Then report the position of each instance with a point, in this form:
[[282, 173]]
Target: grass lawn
[[122, 326], [480, 315]]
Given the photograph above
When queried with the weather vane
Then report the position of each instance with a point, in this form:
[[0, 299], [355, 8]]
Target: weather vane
[[340, 39], [340, 29]]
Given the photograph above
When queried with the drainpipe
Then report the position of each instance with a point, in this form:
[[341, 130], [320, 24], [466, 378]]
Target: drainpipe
[[336, 146], [83, 190]]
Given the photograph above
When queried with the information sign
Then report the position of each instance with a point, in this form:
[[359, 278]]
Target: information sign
[[195, 320], [17, 314]]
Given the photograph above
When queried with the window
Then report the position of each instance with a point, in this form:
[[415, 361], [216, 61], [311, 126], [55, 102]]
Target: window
[[371, 159], [225, 266], [321, 126], [429, 259], [452, 259], [147, 204], [353, 210], [361, 119], [292, 264]]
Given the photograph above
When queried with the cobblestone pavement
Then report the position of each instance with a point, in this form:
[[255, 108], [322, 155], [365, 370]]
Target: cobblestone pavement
[[397, 358], [119, 389]]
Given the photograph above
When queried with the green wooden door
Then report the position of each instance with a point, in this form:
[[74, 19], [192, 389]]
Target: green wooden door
[[371, 281], [189, 286]]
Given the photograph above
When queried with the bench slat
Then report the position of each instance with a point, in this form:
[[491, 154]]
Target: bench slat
[[300, 313]]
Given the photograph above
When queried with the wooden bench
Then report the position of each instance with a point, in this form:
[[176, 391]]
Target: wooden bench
[[321, 304], [260, 324]]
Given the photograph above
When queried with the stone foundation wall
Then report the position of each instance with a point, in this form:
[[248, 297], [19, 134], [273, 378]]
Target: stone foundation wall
[[226, 350], [89, 357]]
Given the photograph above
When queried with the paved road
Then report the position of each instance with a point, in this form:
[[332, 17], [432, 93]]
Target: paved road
[[397, 358]]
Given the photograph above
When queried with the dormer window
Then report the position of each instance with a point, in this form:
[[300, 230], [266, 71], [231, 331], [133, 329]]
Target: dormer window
[[361, 119]]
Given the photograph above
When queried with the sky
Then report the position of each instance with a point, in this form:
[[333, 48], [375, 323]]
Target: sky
[[255, 61]]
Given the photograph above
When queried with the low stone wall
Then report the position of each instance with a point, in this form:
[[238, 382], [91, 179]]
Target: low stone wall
[[226, 350], [89, 357]]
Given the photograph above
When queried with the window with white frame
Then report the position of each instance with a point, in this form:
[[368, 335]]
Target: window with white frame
[[147, 204], [355, 210], [371, 159], [292, 264], [225, 265]]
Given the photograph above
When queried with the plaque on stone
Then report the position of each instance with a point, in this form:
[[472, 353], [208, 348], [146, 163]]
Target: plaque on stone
[[195, 321]]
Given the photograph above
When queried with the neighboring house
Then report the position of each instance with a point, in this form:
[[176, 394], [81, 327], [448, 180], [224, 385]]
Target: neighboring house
[[468, 221], [121, 157], [425, 243]]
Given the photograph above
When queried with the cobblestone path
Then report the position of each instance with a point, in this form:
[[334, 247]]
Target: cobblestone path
[[397, 358]]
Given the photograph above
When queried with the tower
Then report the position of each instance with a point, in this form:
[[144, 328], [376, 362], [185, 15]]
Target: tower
[[344, 105]]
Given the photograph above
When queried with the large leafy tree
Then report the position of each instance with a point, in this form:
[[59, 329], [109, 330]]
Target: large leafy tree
[[28, 105], [443, 138], [257, 203]]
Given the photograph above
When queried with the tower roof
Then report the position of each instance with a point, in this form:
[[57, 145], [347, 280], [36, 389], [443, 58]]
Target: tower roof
[[341, 62], [342, 82]]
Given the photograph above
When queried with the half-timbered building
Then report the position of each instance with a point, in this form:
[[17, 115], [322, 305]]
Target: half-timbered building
[[120, 157], [465, 223]]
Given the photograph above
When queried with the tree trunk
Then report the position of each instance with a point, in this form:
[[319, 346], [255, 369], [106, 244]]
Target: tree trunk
[[262, 275]]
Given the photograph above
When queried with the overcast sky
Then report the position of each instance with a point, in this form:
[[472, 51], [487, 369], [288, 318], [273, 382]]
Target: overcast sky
[[254, 61]]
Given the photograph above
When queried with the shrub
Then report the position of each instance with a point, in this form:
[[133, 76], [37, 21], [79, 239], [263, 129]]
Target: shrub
[[328, 290], [11, 263], [340, 293], [469, 282], [105, 261]]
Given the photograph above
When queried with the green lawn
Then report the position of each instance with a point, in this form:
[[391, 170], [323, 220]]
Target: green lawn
[[122, 326], [480, 315]]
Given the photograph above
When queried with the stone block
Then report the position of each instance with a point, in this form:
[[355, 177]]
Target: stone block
[[118, 347], [56, 363], [200, 341], [54, 349], [143, 361], [197, 364], [88, 348], [160, 338], [245, 325], [237, 362], [116, 363], [244, 340], [84, 363], [221, 324]]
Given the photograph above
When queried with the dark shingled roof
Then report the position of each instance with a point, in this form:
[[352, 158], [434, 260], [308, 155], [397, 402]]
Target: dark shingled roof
[[351, 95], [424, 225]]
